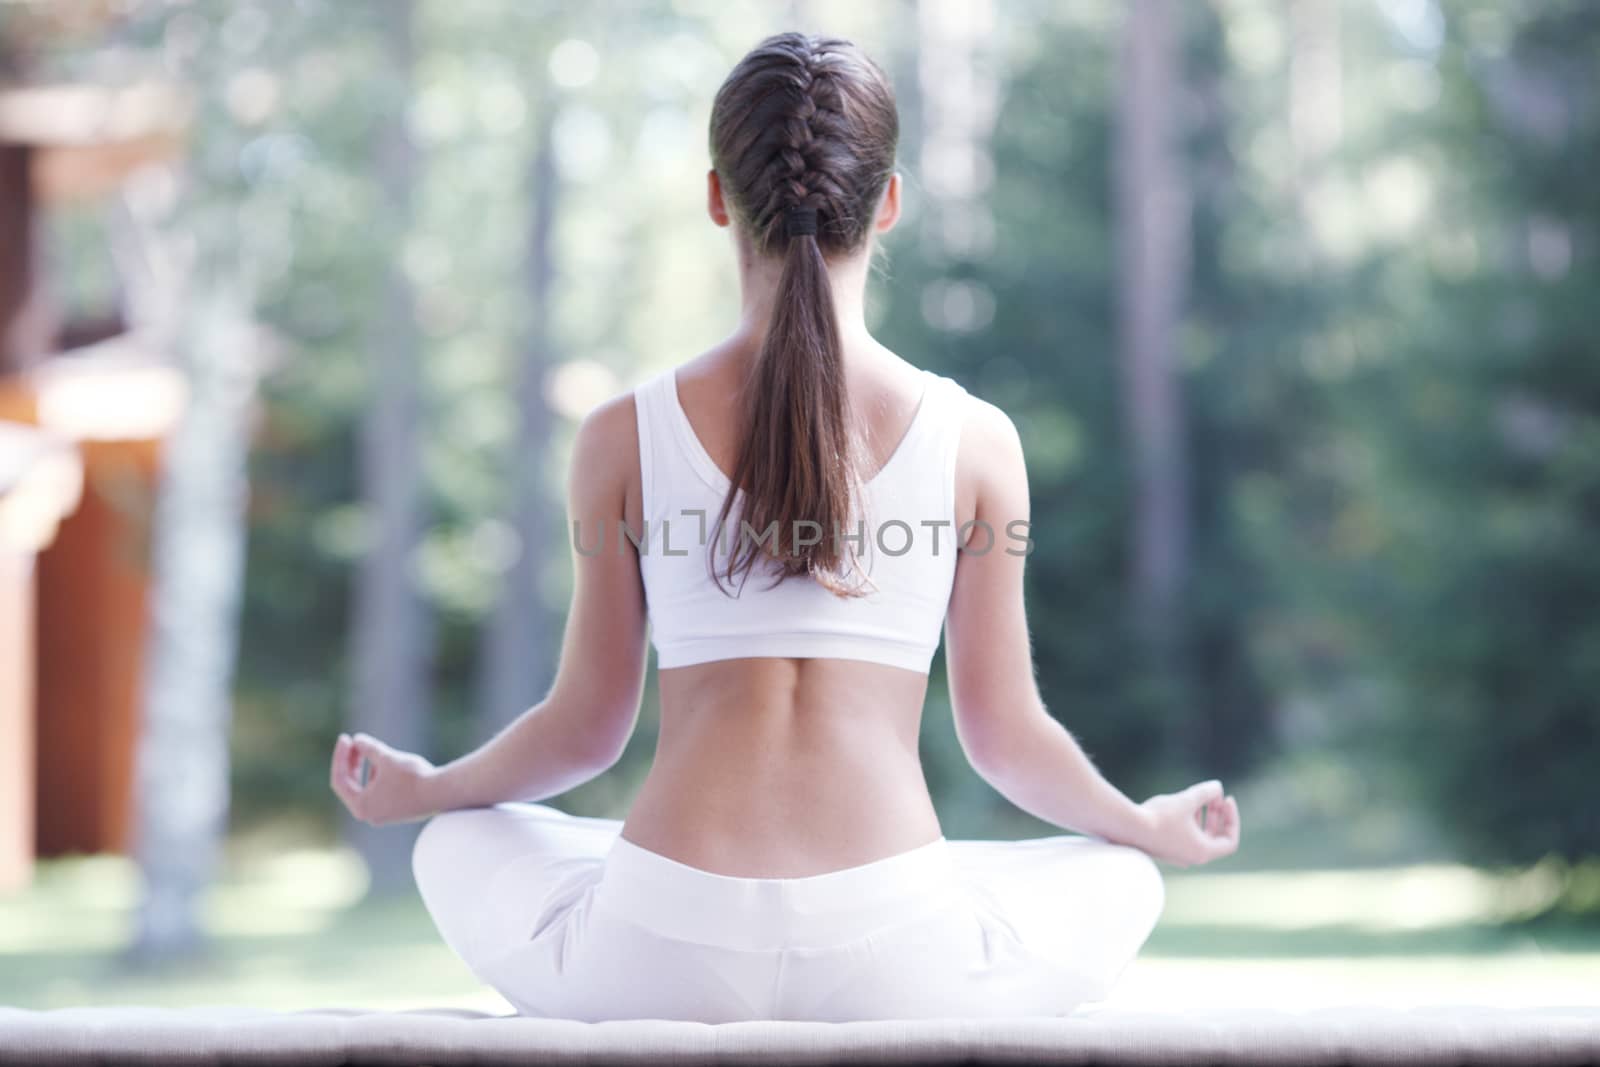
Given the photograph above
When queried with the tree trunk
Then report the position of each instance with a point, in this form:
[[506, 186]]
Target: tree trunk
[[1152, 236], [198, 573], [518, 650], [958, 94], [1316, 106], [392, 637]]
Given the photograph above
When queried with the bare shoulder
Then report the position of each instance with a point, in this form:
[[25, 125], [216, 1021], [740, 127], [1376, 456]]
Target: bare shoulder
[[991, 473], [990, 444], [605, 450], [612, 418], [987, 426]]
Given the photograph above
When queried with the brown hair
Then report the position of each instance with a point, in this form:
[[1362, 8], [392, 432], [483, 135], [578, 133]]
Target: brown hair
[[803, 121]]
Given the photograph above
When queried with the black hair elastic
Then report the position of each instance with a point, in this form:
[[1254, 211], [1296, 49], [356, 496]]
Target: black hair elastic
[[800, 219]]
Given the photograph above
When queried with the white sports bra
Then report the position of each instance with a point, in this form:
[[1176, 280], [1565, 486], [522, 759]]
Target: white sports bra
[[906, 543]]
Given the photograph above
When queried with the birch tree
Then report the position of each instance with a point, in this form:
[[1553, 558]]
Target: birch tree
[[516, 665], [391, 635], [1152, 246], [186, 243], [198, 563]]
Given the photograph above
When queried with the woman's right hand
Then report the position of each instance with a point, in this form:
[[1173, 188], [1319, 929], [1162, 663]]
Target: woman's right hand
[[1175, 834], [395, 786]]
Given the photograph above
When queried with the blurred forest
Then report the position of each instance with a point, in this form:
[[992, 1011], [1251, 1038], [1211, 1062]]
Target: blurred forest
[[1293, 302]]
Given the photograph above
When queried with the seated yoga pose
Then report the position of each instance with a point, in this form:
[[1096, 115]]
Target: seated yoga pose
[[783, 859]]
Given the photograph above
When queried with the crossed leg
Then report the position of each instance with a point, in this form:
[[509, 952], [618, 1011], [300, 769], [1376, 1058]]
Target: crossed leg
[[487, 875], [1081, 903]]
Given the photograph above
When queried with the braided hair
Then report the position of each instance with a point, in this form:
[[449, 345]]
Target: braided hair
[[803, 137]]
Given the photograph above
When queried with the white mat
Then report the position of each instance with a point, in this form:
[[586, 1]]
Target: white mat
[[1435, 1034]]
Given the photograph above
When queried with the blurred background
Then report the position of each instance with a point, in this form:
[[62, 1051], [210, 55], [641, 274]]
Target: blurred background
[[1293, 301]]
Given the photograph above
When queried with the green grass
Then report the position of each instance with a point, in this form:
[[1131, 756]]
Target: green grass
[[1403, 935], [290, 929]]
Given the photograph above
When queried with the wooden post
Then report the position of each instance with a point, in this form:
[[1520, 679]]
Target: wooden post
[[40, 480], [16, 716]]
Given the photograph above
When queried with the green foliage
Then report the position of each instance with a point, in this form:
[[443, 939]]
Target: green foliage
[[1478, 416]]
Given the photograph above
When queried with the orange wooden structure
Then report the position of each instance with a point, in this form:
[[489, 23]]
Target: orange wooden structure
[[40, 480], [93, 586]]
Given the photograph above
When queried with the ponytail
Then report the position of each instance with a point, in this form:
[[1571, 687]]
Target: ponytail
[[796, 465]]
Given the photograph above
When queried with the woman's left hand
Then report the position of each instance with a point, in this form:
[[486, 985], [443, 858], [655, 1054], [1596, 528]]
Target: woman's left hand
[[1174, 834], [396, 787]]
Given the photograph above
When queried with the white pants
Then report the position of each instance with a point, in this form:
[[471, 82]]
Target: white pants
[[567, 919]]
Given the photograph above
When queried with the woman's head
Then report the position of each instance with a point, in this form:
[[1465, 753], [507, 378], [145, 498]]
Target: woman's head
[[802, 122]]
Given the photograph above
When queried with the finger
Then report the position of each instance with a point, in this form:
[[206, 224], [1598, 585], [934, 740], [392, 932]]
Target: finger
[[357, 784], [1225, 809], [345, 756], [358, 753], [351, 797], [352, 761], [1217, 817], [373, 754], [1226, 841], [1203, 792], [1219, 841]]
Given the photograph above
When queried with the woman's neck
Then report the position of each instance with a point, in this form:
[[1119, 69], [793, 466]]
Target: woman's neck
[[758, 284]]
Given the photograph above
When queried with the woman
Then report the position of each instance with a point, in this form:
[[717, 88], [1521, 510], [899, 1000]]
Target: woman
[[783, 859]]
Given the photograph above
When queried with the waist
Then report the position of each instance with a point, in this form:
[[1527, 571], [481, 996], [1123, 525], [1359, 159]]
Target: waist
[[741, 794], [687, 903], [742, 821]]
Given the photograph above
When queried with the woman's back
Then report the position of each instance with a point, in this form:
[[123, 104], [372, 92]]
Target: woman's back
[[789, 765]]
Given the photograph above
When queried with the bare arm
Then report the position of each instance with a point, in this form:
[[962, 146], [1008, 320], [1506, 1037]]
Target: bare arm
[[1004, 728], [1001, 721], [580, 728]]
